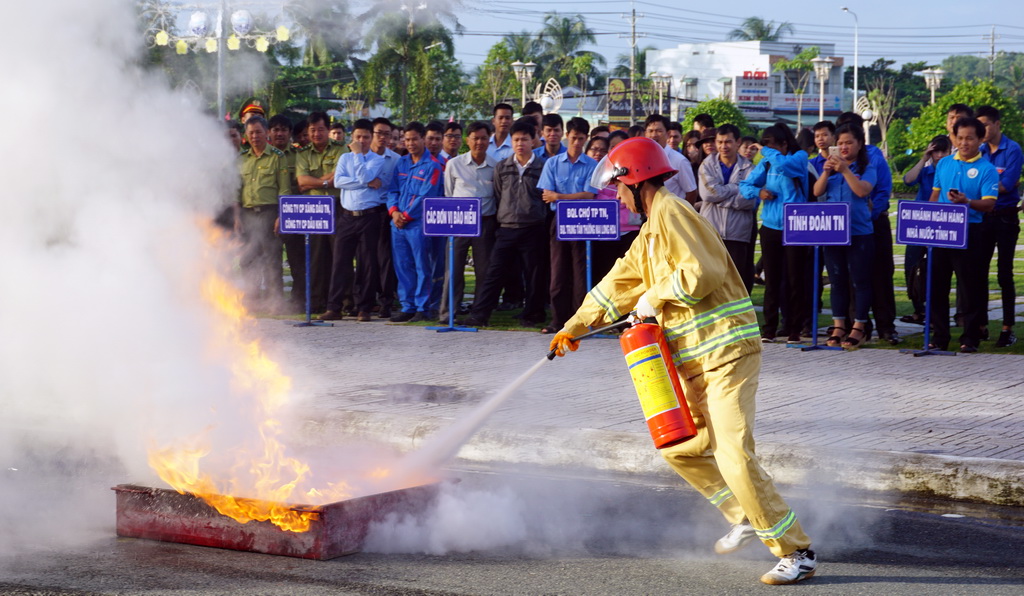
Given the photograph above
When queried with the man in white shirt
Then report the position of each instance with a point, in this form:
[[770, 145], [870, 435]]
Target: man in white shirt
[[682, 184], [471, 175]]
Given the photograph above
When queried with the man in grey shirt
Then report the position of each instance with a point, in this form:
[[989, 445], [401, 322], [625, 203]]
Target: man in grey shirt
[[471, 175]]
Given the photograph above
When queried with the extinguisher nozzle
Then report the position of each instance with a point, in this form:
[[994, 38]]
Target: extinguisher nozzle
[[551, 355]]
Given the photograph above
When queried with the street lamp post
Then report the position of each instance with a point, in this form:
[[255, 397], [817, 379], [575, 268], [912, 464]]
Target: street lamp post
[[933, 79], [243, 30], [524, 74], [856, 51], [822, 68], [660, 82]]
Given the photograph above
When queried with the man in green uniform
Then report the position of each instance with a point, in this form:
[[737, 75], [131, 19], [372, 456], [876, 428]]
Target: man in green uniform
[[314, 168], [264, 178]]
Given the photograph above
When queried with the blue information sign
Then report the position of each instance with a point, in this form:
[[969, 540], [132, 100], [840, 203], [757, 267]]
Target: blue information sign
[[940, 225], [307, 214], [816, 224], [451, 217], [588, 220]]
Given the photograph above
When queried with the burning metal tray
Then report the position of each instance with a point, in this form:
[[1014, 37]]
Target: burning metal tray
[[336, 529]]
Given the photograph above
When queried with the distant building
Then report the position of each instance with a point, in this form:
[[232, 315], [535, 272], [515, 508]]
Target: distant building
[[742, 72]]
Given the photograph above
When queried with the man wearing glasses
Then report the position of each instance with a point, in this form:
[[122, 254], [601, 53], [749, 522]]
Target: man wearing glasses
[[452, 140]]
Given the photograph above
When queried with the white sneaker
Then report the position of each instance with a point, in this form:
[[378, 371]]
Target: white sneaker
[[738, 537], [792, 568]]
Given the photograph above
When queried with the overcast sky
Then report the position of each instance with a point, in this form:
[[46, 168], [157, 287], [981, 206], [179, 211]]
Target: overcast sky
[[904, 31]]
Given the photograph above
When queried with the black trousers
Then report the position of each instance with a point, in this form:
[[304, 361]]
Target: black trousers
[[1000, 229], [568, 276], [883, 303], [481, 246], [528, 247], [787, 289], [356, 238], [388, 281], [971, 279], [742, 254]]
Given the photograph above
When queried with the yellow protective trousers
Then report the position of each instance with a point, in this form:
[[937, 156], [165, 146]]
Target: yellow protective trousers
[[720, 461]]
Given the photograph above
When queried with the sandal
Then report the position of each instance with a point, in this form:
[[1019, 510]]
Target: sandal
[[851, 343], [548, 330], [834, 340]]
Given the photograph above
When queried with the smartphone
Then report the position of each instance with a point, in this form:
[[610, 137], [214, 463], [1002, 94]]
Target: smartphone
[[833, 150], [953, 190]]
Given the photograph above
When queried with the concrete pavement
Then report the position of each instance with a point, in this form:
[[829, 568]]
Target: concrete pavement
[[951, 427]]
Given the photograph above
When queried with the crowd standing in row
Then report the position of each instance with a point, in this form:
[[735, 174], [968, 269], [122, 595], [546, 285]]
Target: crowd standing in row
[[520, 168]]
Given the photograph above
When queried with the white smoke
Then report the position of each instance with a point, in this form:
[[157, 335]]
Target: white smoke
[[104, 335]]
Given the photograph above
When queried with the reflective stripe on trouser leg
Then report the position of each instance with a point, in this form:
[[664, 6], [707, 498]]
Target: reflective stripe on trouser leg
[[723, 400], [694, 461]]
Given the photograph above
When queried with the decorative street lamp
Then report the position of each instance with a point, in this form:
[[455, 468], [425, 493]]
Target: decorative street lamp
[[660, 82], [524, 74], [199, 35], [933, 79], [822, 68], [856, 51]]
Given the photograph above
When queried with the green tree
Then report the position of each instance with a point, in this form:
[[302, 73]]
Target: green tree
[[561, 41], [494, 81], [401, 69], [721, 110], [523, 46], [932, 120], [757, 29], [797, 71], [911, 92]]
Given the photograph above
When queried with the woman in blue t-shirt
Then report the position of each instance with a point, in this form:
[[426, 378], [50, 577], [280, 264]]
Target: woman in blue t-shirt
[[846, 178]]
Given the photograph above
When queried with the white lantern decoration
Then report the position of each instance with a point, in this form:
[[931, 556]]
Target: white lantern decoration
[[241, 22], [197, 24]]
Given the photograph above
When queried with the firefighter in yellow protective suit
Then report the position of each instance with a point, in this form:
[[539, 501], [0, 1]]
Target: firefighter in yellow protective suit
[[679, 270]]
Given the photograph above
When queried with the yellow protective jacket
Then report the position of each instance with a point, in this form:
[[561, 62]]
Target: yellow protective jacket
[[707, 315]]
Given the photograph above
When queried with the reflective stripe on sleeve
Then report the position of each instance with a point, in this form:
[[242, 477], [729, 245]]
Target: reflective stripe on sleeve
[[677, 290], [605, 303]]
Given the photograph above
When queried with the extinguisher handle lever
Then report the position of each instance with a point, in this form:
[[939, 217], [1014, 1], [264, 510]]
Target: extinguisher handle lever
[[618, 325]]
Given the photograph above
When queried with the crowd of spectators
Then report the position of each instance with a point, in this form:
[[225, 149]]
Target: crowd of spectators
[[380, 263]]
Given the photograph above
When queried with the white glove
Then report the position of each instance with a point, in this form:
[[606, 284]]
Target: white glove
[[643, 308]]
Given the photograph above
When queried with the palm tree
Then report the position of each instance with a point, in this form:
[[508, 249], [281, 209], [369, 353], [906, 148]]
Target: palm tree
[[328, 29], [561, 41], [523, 46], [640, 61], [402, 33], [757, 29]]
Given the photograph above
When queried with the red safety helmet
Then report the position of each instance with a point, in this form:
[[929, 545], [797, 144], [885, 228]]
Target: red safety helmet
[[632, 161]]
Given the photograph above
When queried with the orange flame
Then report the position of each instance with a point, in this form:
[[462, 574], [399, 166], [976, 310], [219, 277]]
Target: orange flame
[[273, 479]]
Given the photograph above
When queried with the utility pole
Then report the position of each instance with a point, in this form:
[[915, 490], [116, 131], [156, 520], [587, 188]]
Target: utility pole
[[991, 38], [632, 17]]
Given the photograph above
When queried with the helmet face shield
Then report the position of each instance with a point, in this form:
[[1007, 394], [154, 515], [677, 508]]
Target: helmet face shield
[[605, 173]]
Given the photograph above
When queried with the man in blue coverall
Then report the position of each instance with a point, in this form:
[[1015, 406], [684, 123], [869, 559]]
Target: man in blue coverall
[[417, 175]]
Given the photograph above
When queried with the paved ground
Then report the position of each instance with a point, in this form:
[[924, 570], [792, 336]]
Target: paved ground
[[871, 419]]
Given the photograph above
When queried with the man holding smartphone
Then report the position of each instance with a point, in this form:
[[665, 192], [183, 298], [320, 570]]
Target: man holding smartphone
[[964, 178]]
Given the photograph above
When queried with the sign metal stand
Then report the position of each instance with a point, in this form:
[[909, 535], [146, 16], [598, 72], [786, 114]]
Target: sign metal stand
[[451, 217], [816, 225], [307, 214], [933, 225]]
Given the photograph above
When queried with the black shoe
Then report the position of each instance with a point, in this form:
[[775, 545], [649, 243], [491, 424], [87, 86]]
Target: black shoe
[[331, 315], [892, 337], [402, 317], [984, 334], [418, 317], [471, 321], [385, 312], [794, 338], [1006, 339], [916, 319], [968, 349]]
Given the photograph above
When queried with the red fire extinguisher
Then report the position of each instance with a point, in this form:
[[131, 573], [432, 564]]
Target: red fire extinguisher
[[657, 385], [655, 379]]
